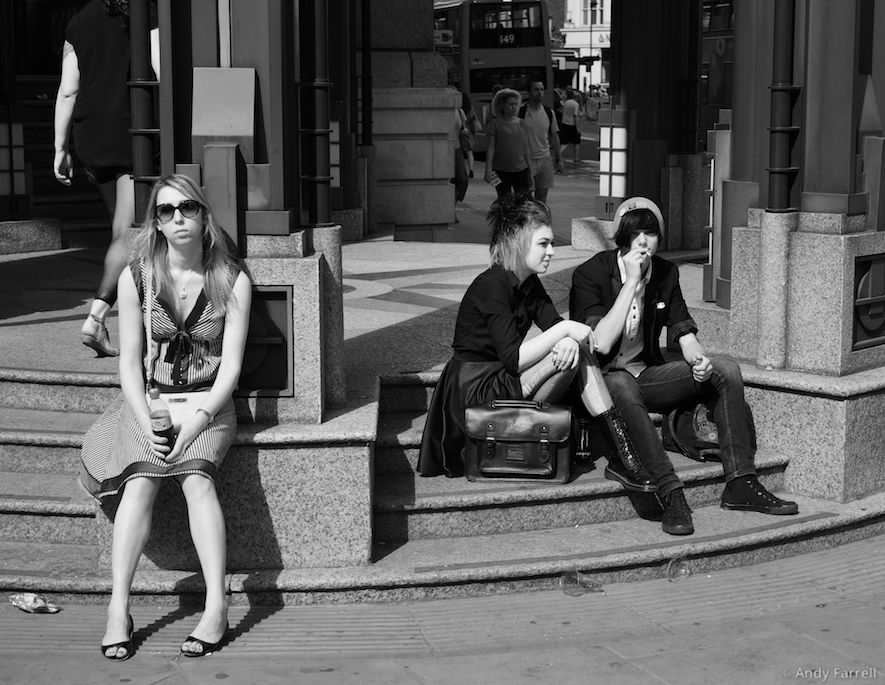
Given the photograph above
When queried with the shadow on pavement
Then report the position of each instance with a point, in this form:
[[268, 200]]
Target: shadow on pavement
[[57, 282]]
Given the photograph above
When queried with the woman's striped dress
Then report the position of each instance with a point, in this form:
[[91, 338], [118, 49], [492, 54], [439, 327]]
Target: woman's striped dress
[[185, 357]]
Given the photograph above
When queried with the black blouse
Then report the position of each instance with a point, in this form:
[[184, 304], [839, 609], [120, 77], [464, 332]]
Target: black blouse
[[101, 118], [495, 315]]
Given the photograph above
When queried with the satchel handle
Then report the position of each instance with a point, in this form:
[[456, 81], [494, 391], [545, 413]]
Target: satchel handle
[[521, 404]]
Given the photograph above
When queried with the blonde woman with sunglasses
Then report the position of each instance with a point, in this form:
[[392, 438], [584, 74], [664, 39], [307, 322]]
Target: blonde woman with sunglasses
[[198, 300]]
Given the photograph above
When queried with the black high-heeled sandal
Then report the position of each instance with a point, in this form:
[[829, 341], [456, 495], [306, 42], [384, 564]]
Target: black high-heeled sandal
[[125, 644], [208, 647]]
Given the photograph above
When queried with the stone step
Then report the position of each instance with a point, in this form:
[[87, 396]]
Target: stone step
[[86, 232], [73, 205], [84, 392], [271, 478], [409, 507], [407, 392], [35, 563], [617, 551], [30, 235], [45, 507]]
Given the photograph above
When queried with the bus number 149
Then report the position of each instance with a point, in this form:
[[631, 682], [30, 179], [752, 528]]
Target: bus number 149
[[507, 39]]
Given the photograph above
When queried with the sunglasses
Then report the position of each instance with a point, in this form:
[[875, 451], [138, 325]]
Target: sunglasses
[[188, 208]]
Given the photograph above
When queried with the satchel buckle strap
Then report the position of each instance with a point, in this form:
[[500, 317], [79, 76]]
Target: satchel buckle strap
[[490, 440], [544, 444]]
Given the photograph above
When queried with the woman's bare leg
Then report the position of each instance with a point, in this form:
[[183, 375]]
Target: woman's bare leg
[[208, 533], [132, 526], [119, 196], [594, 393], [544, 382]]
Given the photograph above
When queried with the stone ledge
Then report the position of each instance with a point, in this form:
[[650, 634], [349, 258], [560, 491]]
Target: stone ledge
[[30, 235], [47, 377], [834, 387]]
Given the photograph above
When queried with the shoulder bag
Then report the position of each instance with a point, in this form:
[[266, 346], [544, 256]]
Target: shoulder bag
[[518, 439]]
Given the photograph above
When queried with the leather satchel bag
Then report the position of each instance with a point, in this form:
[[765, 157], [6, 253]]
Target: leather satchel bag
[[518, 439]]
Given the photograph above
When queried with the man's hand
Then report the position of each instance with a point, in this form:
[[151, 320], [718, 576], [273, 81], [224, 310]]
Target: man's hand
[[636, 263], [702, 368]]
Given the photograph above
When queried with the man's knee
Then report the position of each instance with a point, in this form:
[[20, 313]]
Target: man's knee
[[728, 371]]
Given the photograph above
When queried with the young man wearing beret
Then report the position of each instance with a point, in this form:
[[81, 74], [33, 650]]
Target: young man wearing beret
[[628, 295]]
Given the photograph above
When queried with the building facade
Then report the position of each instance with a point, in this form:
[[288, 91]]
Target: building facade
[[587, 29]]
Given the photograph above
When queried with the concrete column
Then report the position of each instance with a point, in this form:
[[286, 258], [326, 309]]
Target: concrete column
[[774, 273], [749, 145], [327, 241]]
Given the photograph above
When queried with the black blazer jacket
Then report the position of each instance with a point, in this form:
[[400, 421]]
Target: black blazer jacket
[[596, 284]]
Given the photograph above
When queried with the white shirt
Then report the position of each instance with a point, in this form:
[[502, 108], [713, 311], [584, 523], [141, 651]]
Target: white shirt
[[570, 111], [538, 128], [629, 355]]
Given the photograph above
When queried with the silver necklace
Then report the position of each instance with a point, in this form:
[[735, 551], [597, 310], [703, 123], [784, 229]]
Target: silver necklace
[[182, 292]]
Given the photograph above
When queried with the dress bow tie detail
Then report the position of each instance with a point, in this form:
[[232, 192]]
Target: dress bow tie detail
[[178, 354]]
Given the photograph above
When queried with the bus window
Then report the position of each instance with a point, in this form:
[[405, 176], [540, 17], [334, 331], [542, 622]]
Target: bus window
[[516, 25], [482, 80]]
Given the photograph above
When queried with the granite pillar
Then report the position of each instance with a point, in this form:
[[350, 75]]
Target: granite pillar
[[773, 274], [823, 260], [815, 394], [327, 242]]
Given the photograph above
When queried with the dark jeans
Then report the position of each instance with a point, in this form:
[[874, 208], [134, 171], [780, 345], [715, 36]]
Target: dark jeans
[[660, 388]]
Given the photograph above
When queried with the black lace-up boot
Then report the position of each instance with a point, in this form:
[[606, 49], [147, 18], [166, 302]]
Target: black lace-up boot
[[629, 472]]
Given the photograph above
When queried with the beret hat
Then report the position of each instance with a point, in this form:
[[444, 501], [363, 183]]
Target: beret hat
[[633, 203]]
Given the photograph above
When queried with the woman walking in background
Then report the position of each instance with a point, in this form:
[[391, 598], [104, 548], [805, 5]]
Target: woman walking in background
[[507, 155], [92, 107]]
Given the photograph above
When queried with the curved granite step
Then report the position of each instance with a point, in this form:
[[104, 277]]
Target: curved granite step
[[612, 552], [408, 507], [77, 391]]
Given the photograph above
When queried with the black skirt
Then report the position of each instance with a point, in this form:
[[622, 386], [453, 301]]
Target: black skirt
[[462, 384]]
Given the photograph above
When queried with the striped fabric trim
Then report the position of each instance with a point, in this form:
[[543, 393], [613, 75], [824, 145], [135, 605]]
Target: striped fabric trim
[[142, 469]]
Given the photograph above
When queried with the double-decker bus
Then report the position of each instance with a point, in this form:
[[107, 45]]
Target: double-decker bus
[[489, 41]]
